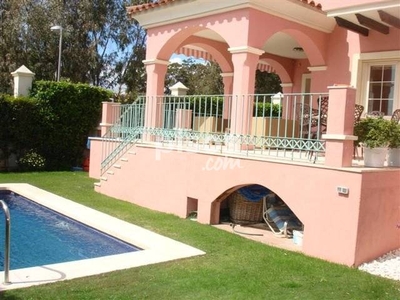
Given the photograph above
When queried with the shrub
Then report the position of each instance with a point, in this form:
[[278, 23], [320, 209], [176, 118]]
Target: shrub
[[394, 135], [200, 105], [213, 105], [373, 132], [55, 121], [69, 112], [266, 110], [32, 161]]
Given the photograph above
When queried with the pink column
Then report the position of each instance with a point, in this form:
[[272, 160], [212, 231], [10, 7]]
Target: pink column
[[245, 60], [227, 79], [110, 111], [156, 70], [339, 137]]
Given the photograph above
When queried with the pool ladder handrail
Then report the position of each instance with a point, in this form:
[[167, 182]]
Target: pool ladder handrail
[[7, 242]]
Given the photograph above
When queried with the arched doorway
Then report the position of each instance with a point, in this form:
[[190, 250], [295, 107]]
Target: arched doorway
[[259, 212]]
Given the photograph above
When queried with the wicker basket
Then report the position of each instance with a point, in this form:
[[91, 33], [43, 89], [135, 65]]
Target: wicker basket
[[242, 210]]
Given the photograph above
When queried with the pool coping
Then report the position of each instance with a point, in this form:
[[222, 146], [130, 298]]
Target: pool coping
[[156, 248]]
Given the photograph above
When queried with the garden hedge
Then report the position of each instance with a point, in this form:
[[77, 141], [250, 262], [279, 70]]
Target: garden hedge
[[49, 130], [213, 105]]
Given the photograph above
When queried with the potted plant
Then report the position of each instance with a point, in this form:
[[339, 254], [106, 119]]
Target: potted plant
[[394, 145], [374, 135]]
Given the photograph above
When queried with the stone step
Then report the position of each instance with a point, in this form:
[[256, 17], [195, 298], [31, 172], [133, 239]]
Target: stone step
[[132, 152], [97, 184], [124, 159], [117, 166], [103, 178], [110, 172]]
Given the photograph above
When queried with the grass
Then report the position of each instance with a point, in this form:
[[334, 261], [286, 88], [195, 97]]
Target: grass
[[233, 268]]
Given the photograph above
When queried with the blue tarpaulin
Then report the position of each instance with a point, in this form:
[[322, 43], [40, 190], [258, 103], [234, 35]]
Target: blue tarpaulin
[[254, 192]]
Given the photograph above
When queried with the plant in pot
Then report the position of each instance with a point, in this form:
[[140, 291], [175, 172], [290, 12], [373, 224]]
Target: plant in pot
[[374, 135], [394, 145]]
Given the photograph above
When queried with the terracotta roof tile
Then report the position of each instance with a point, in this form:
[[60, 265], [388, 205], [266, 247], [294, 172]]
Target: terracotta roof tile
[[147, 6], [312, 4], [142, 7]]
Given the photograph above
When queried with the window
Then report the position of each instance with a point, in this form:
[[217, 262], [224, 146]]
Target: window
[[380, 85]]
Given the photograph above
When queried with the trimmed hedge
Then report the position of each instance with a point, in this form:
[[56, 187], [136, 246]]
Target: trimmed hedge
[[264, 110], [213, 105], [51, 125]]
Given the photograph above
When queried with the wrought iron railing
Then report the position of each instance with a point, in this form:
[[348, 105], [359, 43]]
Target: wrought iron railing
[[122, 135], [286, 126]]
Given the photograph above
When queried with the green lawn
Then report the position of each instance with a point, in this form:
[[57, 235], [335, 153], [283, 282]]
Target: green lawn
[[233, 268]]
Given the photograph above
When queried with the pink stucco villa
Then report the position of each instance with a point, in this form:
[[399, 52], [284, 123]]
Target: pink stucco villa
[[335, 59]]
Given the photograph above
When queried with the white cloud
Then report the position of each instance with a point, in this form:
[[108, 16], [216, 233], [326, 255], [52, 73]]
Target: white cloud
[[179, 58]]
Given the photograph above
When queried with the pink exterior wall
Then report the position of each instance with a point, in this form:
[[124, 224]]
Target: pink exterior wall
[[347, 229], [333, 50], [343, 45], [255, 27], [218, 50], [300, 68], [339, 56], [376, 41], [95, 158], [379, 214], [169, 180]]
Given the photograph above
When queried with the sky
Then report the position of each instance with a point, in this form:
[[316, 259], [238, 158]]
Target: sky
[[179, 58]]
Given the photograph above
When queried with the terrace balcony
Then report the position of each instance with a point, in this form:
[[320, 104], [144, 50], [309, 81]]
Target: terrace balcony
[[190, 153], [287, 128]]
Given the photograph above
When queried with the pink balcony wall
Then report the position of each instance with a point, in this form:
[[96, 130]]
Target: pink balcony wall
[[346, 229]]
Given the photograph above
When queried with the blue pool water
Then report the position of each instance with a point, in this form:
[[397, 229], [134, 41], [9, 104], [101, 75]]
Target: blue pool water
[[40, 236]]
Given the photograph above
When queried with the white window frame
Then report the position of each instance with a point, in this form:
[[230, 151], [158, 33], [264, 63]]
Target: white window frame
[[361, 71]]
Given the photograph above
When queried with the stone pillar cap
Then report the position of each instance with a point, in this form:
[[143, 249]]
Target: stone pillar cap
[[24, 71], [178, 85]]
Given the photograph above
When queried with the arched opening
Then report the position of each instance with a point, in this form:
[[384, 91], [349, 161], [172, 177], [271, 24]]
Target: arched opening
[[287, 57], [195, 54], [255, 210], [292, 53]]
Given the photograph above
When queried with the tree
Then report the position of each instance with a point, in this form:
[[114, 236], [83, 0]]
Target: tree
[[9, 36], [205, 79], [130, 69], [114, 44], [101, 46], [200, 79], [267, 83]]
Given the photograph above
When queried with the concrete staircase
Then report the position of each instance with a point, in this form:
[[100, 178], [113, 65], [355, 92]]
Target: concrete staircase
[[114, 170]]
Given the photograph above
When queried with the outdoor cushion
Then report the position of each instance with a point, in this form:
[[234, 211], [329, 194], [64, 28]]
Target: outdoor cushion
[[281, 214]]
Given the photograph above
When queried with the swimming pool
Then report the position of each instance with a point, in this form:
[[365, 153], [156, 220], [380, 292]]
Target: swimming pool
[[41, 236], [155, 248]]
